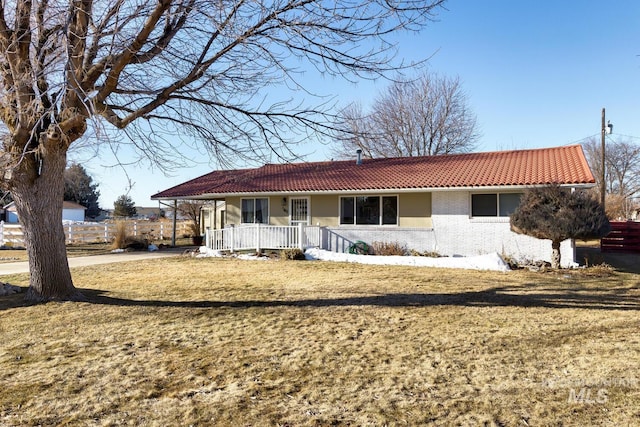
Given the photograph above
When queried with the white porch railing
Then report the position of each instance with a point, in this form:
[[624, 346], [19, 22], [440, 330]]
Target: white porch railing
[[259, 236]]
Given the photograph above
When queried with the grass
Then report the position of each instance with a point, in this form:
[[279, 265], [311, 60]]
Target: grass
[[184, 341], [81, 249]]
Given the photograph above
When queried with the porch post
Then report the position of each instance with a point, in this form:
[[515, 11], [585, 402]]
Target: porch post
[[301, 236], [258, 238], [175, 222]]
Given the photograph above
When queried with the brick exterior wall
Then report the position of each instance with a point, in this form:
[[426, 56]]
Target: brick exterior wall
[[338, 239], [454, 233]]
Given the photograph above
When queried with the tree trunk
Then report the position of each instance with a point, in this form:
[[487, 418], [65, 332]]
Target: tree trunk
[[555, 254], [39, 201]]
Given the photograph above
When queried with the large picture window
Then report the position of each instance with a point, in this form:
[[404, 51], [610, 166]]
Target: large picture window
[[369, 210], [494, 204], [255, 211]]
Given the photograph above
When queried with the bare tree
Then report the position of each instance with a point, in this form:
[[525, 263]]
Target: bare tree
[[210, 67], [426, 116], [622, 173], [191, 209]]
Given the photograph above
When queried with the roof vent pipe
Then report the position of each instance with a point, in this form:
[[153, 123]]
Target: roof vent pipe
[[359, 161]]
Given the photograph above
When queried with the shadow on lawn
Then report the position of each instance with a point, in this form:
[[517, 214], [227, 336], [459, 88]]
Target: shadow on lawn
[[530, 296]]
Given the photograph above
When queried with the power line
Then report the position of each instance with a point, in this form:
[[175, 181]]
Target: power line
[[581, 139], [627, 136], [609, 136]]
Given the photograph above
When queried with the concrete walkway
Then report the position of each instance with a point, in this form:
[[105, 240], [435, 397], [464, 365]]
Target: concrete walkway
[[83, 261]]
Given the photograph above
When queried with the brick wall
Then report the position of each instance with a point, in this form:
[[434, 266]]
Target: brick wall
[[456, 233]]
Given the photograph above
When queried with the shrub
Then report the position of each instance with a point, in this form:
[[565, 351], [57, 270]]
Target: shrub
[[292, 254], [511, 261], [123, 241], [557, 214], [389, 248], [120, 236], [600, 270]]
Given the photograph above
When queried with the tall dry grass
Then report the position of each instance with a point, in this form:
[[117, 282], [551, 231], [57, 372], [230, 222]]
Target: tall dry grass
[[224, 342]]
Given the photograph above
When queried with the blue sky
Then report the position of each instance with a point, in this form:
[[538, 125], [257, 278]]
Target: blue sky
[[536, 73]]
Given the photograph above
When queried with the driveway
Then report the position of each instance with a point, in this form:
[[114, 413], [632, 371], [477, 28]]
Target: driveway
[[23, 266]]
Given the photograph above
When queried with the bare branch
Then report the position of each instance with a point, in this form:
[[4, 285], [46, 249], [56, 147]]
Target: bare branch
[[420, 117]]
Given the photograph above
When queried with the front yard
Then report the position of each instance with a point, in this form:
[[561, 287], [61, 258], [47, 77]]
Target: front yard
[[185, 341]]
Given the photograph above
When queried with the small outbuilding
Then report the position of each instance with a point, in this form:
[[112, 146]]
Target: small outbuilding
[[71, 211]]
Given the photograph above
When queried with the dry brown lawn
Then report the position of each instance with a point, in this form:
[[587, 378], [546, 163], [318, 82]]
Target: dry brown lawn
[[75, 250], [185, 341], [82, 249]]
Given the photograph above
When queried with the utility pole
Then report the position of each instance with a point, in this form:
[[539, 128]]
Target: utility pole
[[602, 177]]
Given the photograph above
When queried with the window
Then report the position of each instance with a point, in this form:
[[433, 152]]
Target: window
[[494, 204], [369, 210], [389, 210], [255, 211], [484, 205], [509, 202], [347, 210]]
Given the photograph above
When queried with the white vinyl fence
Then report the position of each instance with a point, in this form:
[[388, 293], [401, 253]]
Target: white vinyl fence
[[11, 234], [259, 236]]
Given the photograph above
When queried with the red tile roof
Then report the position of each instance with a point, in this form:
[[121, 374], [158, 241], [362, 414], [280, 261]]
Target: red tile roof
[[562, 165]]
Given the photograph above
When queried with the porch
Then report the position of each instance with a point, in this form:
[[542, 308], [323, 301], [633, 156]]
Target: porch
[[259, 236], [336, 239]]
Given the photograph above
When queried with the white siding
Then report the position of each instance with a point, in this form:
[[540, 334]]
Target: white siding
[[73, 215], [456, 233], [12, 217]]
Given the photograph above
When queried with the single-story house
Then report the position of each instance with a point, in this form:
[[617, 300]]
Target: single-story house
[[149, 212], [456, 204], [71, 211]]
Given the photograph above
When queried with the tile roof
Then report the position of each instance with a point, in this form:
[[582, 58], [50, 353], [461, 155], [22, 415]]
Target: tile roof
[[563, 165]]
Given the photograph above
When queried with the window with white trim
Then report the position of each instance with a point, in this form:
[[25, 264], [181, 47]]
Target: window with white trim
[[494, 204], [369, 210], [255, 211]]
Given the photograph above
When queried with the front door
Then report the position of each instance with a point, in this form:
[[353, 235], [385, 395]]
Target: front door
[[299, 210]]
